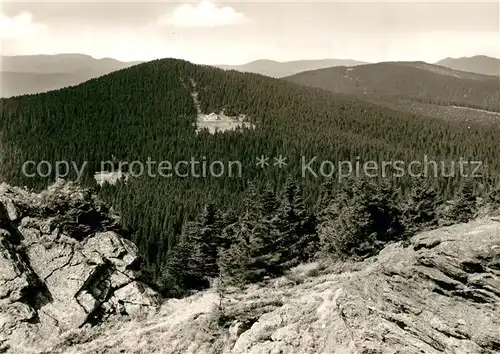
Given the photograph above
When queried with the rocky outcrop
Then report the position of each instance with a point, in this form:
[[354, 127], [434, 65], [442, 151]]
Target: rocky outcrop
[[439, 293], [63, 264]]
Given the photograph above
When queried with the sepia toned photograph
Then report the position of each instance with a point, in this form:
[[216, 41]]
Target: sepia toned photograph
[[249, 177]]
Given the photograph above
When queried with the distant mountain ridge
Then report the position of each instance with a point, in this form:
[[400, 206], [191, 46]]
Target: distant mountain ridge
[[480, 64], [27, 74], [417, 81], [60, 63], [278, 69]]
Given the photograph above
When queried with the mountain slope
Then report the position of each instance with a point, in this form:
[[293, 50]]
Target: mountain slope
[[439, 294], [26, 74], [411, 80], [23, 83], [281, 69], [147, 112], [451, 113], [479, 64]]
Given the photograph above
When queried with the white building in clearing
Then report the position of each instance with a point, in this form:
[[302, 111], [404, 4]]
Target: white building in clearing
[[110, 177]]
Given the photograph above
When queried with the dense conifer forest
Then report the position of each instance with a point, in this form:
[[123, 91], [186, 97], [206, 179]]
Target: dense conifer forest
[[269, 218]]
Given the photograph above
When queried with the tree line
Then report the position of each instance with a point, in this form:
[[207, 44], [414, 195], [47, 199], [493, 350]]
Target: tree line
[[276, 232]]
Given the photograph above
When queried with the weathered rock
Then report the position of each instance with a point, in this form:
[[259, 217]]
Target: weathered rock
[[134, 296], [439, 294], [63, 264]]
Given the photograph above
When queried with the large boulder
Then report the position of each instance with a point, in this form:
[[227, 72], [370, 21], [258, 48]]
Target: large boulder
[[63, 264], [439, 294]]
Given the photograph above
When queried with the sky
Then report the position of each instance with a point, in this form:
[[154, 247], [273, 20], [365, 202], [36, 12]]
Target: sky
[[213, 32]]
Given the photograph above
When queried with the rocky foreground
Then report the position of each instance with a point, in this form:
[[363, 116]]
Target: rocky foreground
[[63, 264], [439, 293]]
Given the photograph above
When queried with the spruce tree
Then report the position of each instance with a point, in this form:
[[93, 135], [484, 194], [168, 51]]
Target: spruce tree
[[194, 259], [465, 207], [421, 209], [254, 255], [296, 239], [325, 198], [182, 271], [204, 234], [494, 195], [237, 263], [361, 224]]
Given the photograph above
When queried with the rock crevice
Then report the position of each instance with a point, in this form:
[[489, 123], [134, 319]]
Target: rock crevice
[[63, 264]]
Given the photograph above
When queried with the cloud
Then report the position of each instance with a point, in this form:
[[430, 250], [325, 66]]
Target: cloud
[[204, 14], [19, 26]]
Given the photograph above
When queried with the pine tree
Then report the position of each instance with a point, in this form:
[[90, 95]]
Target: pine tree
[[494, 195], [268, 203], [254, 255], [181, 273], [421, 209], [228, 236], [363, 218], [465, 207], [205, 236], [296, 238], [325, 198], [194, 259], [251, 201], [235, 262]]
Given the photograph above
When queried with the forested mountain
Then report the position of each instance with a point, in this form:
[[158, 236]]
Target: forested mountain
[[480, 64], [408, 80], [147, 112], [26, 74], [281, 69]]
